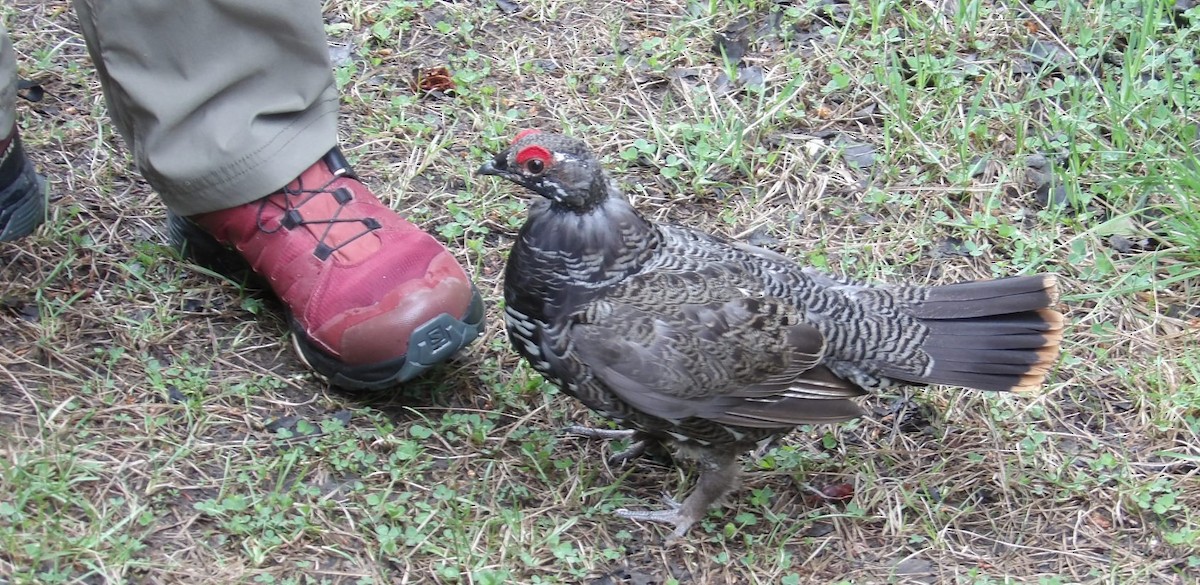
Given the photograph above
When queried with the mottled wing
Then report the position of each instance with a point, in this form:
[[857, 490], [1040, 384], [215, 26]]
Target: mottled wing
[[736, 360]]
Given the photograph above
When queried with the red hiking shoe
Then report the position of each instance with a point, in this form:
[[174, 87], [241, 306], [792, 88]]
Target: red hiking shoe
[[372, 300]]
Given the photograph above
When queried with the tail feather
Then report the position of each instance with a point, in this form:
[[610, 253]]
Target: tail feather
[[991, 367], [1039, 320], [996, 335], [967, 356], [972, 343], [986, 298], [993, 382]]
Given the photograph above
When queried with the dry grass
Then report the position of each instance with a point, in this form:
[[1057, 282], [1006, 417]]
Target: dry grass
[[154, 427]]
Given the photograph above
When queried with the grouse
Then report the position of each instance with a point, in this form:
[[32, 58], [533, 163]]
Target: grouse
[[713, 346]]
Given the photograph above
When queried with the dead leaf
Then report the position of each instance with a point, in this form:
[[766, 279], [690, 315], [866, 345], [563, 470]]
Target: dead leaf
[[428, 80], [830, 493]]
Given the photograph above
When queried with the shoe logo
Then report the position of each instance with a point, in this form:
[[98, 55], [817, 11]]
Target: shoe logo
[[437, 338]]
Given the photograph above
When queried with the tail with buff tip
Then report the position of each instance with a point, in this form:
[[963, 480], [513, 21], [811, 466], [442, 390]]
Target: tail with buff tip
[[996, 335]]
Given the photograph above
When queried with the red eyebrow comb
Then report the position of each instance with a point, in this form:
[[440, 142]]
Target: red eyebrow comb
[[524, 133]]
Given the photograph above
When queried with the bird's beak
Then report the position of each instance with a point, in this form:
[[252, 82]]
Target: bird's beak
[[498, 166], [488, 169]]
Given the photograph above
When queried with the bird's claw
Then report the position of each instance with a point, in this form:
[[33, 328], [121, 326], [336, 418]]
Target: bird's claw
[[635, 450], [670, 502], [672, 514]]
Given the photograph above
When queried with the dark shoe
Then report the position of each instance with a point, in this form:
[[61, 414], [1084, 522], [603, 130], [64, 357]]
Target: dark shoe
[[22, 191], [372, 300]]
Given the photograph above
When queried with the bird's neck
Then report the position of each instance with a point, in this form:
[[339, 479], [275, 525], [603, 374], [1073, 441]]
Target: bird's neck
[[567, 257]]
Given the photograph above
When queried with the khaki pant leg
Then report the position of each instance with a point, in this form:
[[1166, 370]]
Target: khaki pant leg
[[220, 101], [8, 83]]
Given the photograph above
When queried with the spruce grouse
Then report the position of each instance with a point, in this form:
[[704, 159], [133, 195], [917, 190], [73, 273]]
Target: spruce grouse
[[713, 346]]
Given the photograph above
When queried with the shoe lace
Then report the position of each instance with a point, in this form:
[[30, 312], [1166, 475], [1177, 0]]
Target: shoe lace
[[297, 197]]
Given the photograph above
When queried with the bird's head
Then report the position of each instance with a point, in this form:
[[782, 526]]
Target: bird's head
[[557, 167]]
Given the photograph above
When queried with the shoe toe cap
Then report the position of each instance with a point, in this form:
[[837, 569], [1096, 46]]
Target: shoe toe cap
[[382, 331]]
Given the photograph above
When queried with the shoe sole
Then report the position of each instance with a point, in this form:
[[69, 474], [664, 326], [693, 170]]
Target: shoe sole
[[430, 344], [22, 205]]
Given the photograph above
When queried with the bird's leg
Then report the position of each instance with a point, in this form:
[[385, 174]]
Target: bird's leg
[[641, 443], [718, 476]]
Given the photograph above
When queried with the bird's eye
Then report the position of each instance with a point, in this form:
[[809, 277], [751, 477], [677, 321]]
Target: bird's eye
[[535, 166], [534, 159]]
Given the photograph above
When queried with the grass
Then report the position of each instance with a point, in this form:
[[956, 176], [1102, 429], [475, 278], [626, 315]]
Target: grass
[[155, 427]]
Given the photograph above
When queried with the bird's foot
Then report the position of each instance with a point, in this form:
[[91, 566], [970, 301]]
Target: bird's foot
[[635, 450], [763, 447], [605, 434], [674, 514]]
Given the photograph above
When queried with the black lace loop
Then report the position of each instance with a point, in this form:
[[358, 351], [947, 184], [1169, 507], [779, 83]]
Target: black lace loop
[[295, 198]]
